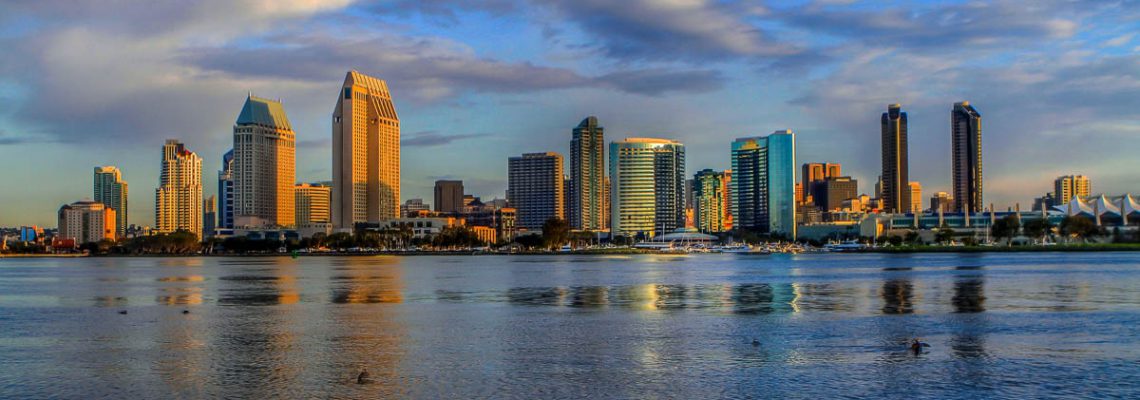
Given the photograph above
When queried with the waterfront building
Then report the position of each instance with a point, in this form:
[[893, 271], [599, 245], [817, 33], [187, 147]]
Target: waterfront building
[[86, 221], [941, 201], [178, 198], [312, 204], [448, 196], [915, 197], [264, 175], [31, 234], [587, 176], [536, 188], [727, 188], [226, 191], [1065, 187], [895, 177], [647, 193], [708, 193], [111, 190], [366, 153], [413, 207], [763, 183], [836, 190], [966, 137], [209, 216], [1045, 202]]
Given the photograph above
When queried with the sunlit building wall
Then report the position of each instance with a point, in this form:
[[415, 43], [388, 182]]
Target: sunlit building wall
[[895, 177], [111, 190], [178, 198], [763, 183], [647, 193], [366, 153], [264, 162], [966, 140]]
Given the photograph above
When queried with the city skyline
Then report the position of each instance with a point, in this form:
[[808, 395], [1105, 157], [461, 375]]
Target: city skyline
[[470, 105]]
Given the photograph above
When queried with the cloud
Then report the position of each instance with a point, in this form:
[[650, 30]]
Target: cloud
[[659, 81], [433, 138]]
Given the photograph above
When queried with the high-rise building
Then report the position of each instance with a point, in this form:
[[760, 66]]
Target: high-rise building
[[607, 210], [1044, 203], [366, 153], [413, 207], [209, 216], [896, 196], [815, 182], [264, 154], [727, 183], [226, 191], [647, 187], [111, 190], [1065, 187], [941, 201], [312, 203], [836, 190], [86, 221], [587, 176], [708, 189], [536, 189], [178, 198], [448, 196], [915, 197], [966, 137], [763, 183]]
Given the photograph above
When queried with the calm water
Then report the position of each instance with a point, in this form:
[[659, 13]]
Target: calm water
[[830, 326]]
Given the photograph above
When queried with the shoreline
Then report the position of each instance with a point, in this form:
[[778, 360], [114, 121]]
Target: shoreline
[[889, 250]]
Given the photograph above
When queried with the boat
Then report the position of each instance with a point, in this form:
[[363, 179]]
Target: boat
[[736, 248], [846, 246]]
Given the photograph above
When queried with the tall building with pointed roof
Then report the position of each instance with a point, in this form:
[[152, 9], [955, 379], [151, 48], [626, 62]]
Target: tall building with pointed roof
[[263, 165], [896, 167], [966, 138], [587, 176], [366, 153]]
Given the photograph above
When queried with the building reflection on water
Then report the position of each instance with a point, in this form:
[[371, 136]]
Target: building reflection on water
[[898, 296], [365, 337]]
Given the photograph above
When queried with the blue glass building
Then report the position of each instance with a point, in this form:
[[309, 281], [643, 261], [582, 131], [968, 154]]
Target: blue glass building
[[763, 185]]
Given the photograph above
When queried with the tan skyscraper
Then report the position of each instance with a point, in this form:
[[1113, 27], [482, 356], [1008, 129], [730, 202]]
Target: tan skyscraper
[[178, 199], [366, 152], [264, 153], [1066, 187], [536, 188], [86, 221], [915, 198]]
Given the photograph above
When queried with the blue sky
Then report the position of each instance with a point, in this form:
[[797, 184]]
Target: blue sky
[[95, 83]]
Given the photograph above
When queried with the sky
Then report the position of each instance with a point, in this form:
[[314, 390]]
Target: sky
[[88, 83]]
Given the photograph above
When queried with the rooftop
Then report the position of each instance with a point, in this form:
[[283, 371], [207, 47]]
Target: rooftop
[[264, 112]]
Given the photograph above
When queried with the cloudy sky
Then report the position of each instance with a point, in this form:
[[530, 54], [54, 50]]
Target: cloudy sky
[[476, 81]]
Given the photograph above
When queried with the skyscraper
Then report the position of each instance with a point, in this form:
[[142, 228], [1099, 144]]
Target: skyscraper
[[836, 190], [312, 203], [966, 136], [111, 190], [915, 196], [763, 183], [448, 196], [587, 176], [209, 216], [708, 190], [366, 153], [1065, 187], [941, 201], [536, 189], [86, 221], [647, 193], [178, 198], [264, 153], [896, 196], [815, 181], [226, 191]]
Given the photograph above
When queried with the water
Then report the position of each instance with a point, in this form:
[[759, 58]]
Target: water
[[650, 326]]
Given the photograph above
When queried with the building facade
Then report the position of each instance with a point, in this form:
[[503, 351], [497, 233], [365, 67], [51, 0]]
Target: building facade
[[111, 190], [915, 196], [814, 182], [226, 191], [708, 189], [448, 196], [536, 189], [264, 162], [941, 201], [366, 153], [86, 221], [763, 183], [836, 190], [966, 137], [647, 187], [178, 198], [587, 176], [209, 216], [1065, 187], [312, 204], [896, 176]]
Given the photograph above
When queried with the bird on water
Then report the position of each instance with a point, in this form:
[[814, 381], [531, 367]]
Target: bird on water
[[364, 377]]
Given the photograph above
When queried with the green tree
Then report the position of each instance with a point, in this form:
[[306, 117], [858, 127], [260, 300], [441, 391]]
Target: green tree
[[529, 241], [1038, 228], [944, 234], [1078, 227], [555, 232], [1006, 227], [913, 237]]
